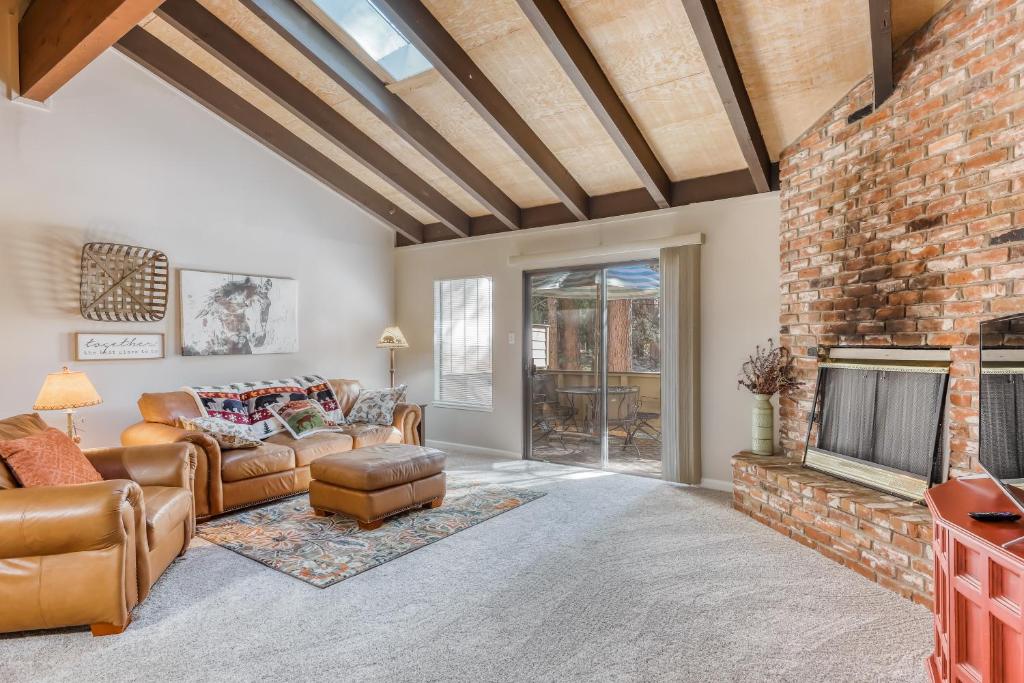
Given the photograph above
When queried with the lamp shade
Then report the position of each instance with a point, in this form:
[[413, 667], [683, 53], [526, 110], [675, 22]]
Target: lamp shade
[[392, 338], [66, 389]]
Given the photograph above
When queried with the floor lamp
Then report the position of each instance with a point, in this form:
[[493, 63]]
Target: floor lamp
[[392, 338], [67, 390]]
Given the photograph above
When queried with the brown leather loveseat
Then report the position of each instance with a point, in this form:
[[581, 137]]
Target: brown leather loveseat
[[88, 553], [231, 479]]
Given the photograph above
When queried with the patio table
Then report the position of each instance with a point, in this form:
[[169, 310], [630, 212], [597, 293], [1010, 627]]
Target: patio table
[[590, 395]]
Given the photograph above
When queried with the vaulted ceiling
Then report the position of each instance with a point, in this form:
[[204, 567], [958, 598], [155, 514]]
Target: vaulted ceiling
[[536, 112]]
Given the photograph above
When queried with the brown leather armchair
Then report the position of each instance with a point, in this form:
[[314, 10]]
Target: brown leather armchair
[[89, 553], [232, 479]]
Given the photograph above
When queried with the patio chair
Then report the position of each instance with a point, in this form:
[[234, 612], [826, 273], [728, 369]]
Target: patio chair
[[550, 417], [645, 419], [623, 408]]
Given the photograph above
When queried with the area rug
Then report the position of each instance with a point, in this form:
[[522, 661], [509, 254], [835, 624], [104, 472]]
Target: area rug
[[322, 551]]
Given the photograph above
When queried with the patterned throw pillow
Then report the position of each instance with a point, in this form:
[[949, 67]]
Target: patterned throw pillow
[[221, 402], [47, 458], [228, 434], [321, 391], [302, 418], [260, 396], [377, 406]]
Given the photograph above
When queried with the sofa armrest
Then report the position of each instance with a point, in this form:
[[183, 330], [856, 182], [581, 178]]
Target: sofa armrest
[[406, 419], [172, 464], [54, 520], [208, 488]]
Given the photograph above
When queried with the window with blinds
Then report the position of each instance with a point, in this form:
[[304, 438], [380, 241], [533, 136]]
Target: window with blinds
[[462, 343]]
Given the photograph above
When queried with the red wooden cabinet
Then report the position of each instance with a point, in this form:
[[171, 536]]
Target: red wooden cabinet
[[979, 586]]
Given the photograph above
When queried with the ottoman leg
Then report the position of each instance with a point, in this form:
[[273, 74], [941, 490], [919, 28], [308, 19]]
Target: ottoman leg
[[370, 526], [321, 513], [436, 503]]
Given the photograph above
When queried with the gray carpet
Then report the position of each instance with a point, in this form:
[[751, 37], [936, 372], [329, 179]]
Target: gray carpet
[[608, 577]]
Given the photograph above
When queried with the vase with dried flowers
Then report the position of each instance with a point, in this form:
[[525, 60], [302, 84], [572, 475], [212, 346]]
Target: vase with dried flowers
[[768, 371]]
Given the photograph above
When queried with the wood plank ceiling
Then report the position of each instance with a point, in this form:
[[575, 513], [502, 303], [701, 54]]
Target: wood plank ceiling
[[537, 112]]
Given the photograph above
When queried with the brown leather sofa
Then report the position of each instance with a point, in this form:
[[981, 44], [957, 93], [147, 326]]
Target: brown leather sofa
[[89, 553], [232, 479]]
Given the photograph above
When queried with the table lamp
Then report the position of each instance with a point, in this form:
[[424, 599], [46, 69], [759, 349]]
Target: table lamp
[[392, 338], [67, 390]]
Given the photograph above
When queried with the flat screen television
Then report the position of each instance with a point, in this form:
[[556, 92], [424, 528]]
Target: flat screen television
[[1001, 404]]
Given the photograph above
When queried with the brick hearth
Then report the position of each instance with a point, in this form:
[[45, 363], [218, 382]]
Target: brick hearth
[[882, 537]]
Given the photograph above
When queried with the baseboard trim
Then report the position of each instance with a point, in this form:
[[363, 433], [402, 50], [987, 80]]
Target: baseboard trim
[[473, 450], [716, 485], [713, 484]]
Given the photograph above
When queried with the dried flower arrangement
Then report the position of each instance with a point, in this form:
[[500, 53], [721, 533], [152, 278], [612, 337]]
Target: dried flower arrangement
[[768, 371]]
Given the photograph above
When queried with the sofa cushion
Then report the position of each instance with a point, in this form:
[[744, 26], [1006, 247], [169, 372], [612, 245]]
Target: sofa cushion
[[168, 407], [15, 428], [312, 447], [48, 458], [347, 391], [166, 508], [363, 434], [269, 458]]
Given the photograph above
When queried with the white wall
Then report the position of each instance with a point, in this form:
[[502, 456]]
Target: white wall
[[122, 157], [739, 283]]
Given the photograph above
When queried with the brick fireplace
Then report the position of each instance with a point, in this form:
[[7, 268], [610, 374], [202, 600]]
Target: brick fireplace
[[902, 228]]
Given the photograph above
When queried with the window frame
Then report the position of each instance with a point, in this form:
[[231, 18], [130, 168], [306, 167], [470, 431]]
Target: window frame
[[437, 341]]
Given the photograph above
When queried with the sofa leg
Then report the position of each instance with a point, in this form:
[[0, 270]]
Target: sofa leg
[[108, 629], [370, 526], [436, 503], [321, 513]]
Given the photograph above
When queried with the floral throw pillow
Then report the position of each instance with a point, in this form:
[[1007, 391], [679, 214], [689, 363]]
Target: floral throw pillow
[[48, 458], [377, 406], [228, 434], [302, 418]]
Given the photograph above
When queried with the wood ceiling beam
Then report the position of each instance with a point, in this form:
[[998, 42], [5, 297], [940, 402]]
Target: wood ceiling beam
[[577, 61], [420, 27], [317, 44], [682, 192], [725, 72], [207, 30], [880, 14], [59, 38], [150, 52]]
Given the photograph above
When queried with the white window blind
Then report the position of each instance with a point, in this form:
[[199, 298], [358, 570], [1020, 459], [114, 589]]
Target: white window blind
[[462, 343], [540, 346]]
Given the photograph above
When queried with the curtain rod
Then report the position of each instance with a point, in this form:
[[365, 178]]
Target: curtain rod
[[606, 250]]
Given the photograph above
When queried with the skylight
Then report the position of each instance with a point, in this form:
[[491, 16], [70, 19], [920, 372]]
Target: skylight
[[375, 34]]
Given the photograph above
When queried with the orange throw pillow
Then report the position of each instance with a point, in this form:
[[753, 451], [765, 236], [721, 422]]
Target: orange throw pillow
[[47, 458]]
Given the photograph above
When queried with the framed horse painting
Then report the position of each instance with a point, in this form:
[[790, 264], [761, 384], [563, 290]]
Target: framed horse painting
[[231, 314]]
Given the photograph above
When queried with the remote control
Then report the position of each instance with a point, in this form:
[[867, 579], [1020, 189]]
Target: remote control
[[995, 516]]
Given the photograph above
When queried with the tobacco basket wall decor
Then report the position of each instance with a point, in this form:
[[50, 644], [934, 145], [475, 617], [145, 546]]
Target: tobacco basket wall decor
[[122, 283]]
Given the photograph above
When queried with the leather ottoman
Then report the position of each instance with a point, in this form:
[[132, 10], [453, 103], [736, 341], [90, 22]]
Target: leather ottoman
[[377, 482]]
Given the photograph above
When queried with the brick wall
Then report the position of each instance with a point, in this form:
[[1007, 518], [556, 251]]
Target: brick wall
[[906, 228]]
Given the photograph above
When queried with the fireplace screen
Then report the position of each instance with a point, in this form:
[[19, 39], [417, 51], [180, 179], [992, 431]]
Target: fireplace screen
[[879, 424]]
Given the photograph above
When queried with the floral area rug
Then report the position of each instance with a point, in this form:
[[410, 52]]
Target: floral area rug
[[322, 551]]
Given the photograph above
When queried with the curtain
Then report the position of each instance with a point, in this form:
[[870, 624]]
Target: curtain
[[680, 364]]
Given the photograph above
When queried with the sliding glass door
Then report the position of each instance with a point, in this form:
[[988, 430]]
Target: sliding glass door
[[592, 363]]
